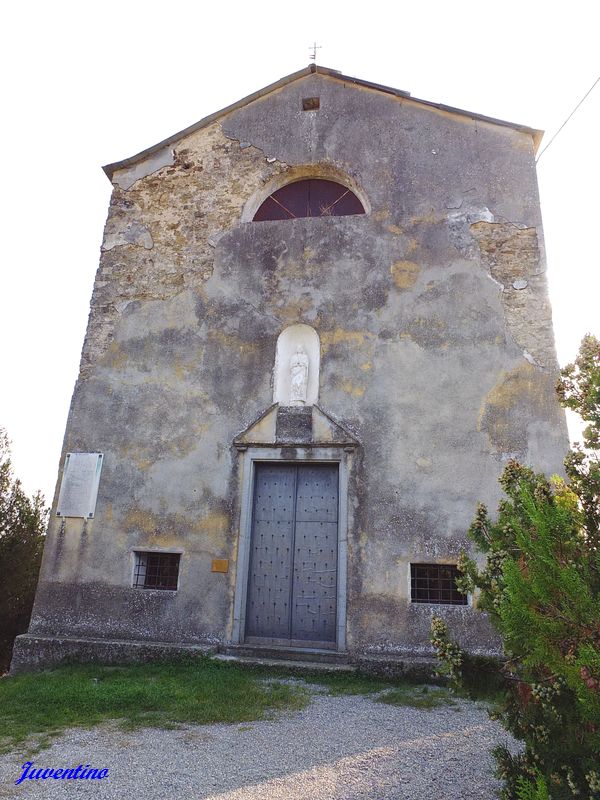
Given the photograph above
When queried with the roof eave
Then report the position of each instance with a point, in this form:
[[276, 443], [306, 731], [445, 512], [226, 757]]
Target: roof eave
[[533, 132], [110, 169]]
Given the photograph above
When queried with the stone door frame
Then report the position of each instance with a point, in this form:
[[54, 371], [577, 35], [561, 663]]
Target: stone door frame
[[290, 455]]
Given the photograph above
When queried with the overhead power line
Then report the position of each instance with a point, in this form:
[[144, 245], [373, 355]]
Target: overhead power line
[[568, 118]]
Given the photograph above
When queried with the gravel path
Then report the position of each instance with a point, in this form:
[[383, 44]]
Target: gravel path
[[338, 748]]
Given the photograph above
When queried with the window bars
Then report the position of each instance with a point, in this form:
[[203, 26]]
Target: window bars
[[435, 583], [156, 570]]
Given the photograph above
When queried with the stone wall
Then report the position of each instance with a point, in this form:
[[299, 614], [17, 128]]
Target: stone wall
[[437, 354]]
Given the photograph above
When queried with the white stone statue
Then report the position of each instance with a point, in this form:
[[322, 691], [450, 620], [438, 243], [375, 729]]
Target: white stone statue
[[299, 376]]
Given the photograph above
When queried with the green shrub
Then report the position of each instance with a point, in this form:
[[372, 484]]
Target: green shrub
[[22, 525], [541, 589]]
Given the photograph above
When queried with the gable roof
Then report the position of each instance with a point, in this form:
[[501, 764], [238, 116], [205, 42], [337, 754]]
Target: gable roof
[[312, 69]]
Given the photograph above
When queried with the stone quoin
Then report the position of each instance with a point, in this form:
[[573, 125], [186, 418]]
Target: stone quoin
[[319, 330]]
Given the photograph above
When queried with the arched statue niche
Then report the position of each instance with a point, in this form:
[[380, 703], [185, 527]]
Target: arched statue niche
[[297, 362]]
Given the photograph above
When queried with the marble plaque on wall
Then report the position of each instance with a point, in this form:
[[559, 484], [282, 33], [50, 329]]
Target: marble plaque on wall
[[79, 486]]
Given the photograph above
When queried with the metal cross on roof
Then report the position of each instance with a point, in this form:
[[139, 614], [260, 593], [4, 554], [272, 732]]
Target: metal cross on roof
[[314, 47]]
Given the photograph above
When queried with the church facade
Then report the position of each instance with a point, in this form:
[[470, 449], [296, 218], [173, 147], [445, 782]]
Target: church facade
[[319, 330]]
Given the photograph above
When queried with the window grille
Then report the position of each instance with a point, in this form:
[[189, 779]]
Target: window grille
[[156, 570], [435, 583], [312, 197]]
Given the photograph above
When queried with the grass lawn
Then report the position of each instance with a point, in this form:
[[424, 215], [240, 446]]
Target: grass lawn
[[403, 692], [161, 695], [201, 691], [427, 697]]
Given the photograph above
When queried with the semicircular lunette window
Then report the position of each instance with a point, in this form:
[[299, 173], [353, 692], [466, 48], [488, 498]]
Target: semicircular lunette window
[[313, 197]]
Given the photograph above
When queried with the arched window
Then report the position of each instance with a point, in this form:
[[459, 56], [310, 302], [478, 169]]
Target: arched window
[[313, 197]]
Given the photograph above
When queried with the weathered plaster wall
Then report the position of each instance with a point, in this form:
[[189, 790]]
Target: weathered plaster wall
[[429, 354]]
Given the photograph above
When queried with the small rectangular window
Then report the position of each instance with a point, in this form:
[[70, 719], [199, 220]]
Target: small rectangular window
[[156, 570], [311, 104], [435, 583]]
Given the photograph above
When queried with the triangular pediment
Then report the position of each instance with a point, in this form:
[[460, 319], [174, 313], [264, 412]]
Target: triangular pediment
[[301, 426], [161, 153], [261, 431], [327, 431]]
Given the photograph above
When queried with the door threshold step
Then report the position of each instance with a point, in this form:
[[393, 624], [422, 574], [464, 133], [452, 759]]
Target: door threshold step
[[312, 655], [285, 664]]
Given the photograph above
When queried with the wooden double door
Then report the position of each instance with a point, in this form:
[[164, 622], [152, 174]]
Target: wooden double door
[[292, 582]]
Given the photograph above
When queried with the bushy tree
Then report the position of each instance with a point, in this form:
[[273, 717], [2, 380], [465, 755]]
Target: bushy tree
[[22, 525], [541, 588], [579, 390]]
